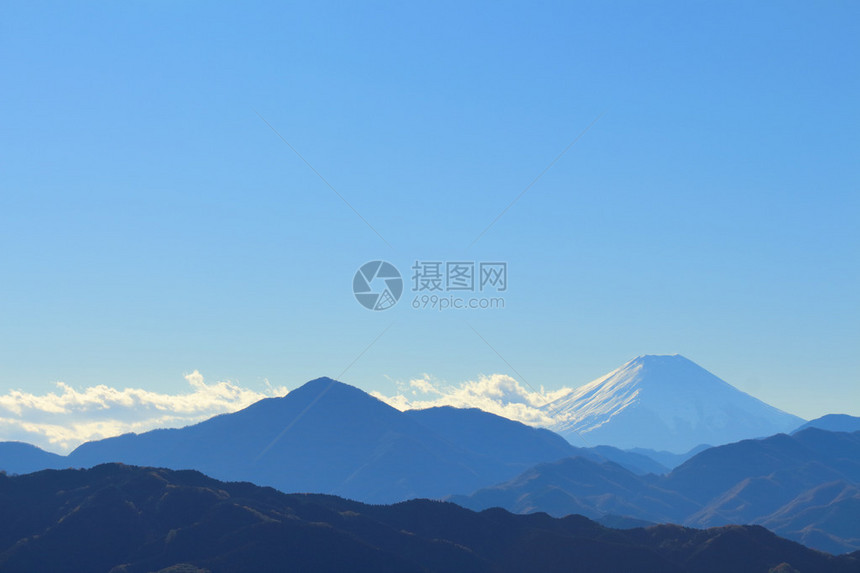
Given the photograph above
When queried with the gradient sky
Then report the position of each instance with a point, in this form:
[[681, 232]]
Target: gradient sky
[[151, 224]]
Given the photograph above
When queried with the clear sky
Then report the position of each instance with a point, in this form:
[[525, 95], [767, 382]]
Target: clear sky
[[153, 225]]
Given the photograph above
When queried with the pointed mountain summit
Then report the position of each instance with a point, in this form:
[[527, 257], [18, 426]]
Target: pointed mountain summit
[[664, 403], [324, 436], [330, 437]]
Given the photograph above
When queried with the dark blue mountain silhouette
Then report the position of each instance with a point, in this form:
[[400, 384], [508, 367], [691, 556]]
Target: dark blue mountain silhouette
[[21, 458], [329, 437], [497, 437], [585, 487], [324, 437], [134, 520], [819, 455], [805, 486]]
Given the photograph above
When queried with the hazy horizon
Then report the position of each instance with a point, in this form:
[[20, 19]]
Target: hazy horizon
[[61, 420]]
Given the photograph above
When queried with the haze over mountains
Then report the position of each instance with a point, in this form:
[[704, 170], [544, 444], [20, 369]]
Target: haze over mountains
[[833, 423], [664, 403], [805, 487], [331, 438], [628, 405]]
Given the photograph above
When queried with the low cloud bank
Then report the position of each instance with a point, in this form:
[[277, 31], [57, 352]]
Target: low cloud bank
[[61, 420], [498, 393]]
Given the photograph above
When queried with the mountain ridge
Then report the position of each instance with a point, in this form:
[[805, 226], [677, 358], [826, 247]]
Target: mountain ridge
[[330, 437], [805, 486], [833, 423], [664, 402], [127, 519]]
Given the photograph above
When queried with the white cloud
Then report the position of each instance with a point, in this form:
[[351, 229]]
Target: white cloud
[[423, 385], [497, 393], [61, 420]]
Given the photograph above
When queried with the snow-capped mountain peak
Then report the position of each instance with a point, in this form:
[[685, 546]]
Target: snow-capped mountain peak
[[664, 403]]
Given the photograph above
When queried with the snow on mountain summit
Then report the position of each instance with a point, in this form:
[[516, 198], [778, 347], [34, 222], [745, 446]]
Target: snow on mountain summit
[[664, 403]]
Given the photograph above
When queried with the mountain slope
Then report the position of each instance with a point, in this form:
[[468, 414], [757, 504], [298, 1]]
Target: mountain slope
[[133, 520], [21, 458], [808, 458], [824, 517], [490, 435], [806, 487], [665, 403], [833, 423], [324, 437], [329, 437], [585, 487]]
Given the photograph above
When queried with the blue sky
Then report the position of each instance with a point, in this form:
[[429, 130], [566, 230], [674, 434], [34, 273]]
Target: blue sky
[[152, 225]]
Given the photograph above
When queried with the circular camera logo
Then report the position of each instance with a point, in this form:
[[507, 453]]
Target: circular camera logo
[[377, 285]]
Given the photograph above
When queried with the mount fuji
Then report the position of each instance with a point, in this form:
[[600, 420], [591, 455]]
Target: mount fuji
[[664, 403]]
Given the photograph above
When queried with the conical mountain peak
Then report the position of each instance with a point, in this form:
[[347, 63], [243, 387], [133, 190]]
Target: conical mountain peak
[[667, 402], [325, 386]]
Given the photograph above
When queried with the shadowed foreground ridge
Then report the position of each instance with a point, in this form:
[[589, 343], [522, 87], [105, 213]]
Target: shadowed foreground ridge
[[127, 519]]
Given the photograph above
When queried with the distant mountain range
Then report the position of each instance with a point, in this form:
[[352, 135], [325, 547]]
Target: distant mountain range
[[331, 438], [668, 459], [328, 437], [664, 403], [663, 409], [804, 487], [833, 423], [123, 519]]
